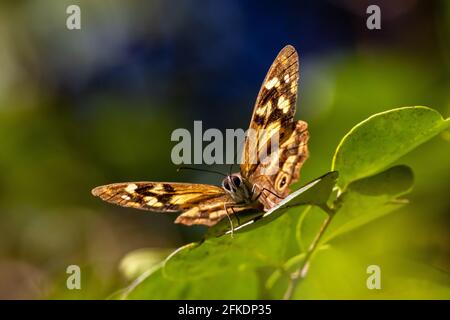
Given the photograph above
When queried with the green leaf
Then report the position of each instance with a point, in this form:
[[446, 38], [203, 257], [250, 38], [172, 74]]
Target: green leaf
[[317, 192], [308, 225], [378, 141], [364, 201], [280, 277], [227, 285], [262, 247], [370, 198]]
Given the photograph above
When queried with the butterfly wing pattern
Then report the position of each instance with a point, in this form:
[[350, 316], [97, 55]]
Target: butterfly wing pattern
[[274, 114], [199, 203], [207, 204]]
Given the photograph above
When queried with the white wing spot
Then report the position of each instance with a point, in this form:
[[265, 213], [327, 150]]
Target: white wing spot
[[125, 197], [286, 78], [264, 109], [269, 107], [152, 201], [158, 187], [261, 110], [283, 104], [130, 188], [272, 83]]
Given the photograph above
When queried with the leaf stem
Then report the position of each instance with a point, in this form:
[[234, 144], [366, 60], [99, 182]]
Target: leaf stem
[[301, 272]]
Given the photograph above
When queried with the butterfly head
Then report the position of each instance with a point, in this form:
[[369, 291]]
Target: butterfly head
[[235, 185]]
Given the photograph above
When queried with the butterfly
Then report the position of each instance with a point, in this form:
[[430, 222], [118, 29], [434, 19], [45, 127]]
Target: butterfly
[[254, 187]]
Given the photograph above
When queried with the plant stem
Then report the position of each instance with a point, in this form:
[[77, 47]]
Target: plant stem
[[301, 272]]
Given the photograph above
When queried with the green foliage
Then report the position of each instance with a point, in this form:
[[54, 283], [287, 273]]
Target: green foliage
[[382, 139], [257, 259], [363, 201], [226, 285]]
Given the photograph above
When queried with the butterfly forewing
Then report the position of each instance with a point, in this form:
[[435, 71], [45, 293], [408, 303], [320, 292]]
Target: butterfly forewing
[[277, 96], [274, 169], [274, 108], [200, 203]]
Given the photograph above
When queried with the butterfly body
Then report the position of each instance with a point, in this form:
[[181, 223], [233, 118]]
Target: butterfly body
[[239, 189], [265, 171]]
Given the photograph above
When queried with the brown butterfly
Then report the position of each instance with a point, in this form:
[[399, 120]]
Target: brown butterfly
[[251, 188]]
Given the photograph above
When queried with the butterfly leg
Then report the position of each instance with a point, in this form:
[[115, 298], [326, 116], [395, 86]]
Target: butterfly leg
[[237, 218], [228, 216], [262, 190], [232, 205]]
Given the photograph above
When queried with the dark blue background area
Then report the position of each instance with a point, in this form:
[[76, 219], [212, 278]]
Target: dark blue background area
[[214, 59]]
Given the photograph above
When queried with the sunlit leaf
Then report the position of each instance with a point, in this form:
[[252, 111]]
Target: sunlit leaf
[[261, 247], [363, 201], [226, 285], [370, 198], [375, 143]]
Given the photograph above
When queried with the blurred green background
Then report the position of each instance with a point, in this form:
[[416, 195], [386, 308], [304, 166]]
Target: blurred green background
[[93, 106]]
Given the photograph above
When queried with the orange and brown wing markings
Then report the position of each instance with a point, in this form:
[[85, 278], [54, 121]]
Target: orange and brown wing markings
[[211, 211], [198, 203], [279, 89], [274, 109], [158, 196], [291, 156]]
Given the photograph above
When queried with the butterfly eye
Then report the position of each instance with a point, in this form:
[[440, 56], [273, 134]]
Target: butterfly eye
[[236, 181], [226, 185]]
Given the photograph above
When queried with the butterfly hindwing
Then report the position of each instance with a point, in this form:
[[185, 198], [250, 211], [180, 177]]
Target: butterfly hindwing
[[289, 158]]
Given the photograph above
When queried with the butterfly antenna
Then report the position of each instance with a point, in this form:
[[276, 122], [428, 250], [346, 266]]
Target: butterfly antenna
[[231, 169], [204, 170], [235, 161]]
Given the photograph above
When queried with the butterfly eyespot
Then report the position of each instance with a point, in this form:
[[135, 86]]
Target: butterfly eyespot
[[236, 181], [282, 182]]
